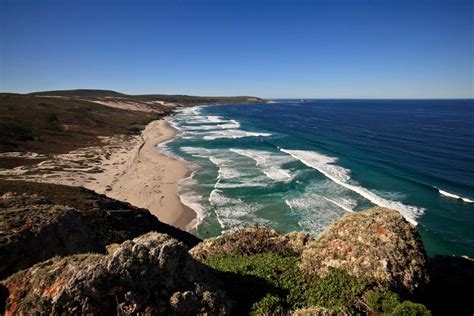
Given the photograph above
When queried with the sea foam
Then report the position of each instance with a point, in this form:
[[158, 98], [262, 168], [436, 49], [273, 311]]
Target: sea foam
[[455, 196], [233, 134], [232, 213], [325, 165], [215, 119], [270, 163], [192, 200], [314, 212]]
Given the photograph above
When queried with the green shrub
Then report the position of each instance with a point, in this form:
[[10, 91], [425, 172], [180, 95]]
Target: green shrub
[[337, 290], [384, 301], [389, 303], [271, 283], [408, 308], [269, 305]]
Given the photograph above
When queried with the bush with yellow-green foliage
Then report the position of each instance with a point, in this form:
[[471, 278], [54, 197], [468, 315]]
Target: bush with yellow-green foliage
[[269, 284]]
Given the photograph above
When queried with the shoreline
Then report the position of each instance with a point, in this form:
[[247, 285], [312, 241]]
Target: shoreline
[[151, 179], [125, 168]]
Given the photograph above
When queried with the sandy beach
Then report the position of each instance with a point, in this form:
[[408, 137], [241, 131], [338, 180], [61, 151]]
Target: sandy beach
[[151, 179], [126, 168]]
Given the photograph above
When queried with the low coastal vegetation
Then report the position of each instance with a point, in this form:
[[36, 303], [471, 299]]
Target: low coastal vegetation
[[279, 286], [50, 125]]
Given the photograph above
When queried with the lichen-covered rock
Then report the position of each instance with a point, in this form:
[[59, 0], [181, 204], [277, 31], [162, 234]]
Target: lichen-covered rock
[[249, 241], [33, 229], [378, 244], [152, 274]]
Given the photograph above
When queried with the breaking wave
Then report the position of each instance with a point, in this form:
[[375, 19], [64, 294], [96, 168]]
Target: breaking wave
[[455, 196], [192, 200], [232, 213], [270, 163], [233, 134], [325, 165]]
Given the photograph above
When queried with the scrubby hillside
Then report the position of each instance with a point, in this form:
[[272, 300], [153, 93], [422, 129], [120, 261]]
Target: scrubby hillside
[[48, 125], [183, 100]]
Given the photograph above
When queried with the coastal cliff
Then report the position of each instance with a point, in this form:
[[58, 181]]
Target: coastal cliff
[[69, 250], [370, 262]]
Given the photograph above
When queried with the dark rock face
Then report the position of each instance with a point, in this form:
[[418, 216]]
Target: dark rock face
[[453, 282], [33, 229], [377, 244], [63, 220], [113, 221], [251, 240], [152, 274]]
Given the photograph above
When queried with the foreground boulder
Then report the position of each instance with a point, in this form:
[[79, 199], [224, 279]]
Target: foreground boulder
[[33, 229], [152, 274], [377, 244], [251, 240]]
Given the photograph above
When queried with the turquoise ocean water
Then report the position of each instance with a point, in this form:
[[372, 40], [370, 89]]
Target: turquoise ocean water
[[301, 165]]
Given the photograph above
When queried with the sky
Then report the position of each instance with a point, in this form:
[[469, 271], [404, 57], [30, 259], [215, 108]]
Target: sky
[[270, 49]]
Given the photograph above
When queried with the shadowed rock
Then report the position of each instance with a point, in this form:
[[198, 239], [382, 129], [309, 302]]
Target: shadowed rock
[[152, 274], [64, 220], [453, 282], [33, 229], [377, 244]]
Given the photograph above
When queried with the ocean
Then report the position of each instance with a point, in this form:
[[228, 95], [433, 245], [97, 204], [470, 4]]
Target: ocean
[[299, 166]]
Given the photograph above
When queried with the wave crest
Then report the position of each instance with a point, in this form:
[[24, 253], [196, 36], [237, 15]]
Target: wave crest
[[325, 165]]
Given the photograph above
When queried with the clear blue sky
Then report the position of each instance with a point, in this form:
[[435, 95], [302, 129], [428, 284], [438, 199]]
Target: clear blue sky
[[321, 49]]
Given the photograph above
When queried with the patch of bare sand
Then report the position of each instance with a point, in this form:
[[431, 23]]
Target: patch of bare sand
[[126, 168]]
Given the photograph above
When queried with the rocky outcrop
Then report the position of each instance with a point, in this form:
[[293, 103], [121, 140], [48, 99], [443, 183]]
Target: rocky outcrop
[[62, 220], [152, 274], [251, 240], [377, 256], [33, 229], [378, 244], [113, 221]]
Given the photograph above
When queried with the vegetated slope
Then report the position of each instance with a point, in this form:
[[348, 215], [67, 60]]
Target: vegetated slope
[[39, 221], [187, 100], [49, 125], [184, 100], [80, 93]]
